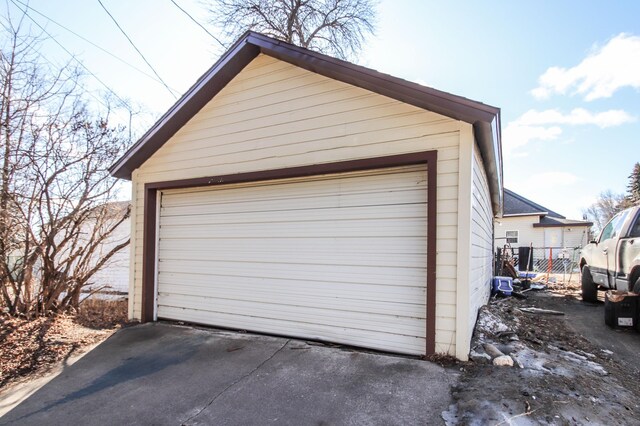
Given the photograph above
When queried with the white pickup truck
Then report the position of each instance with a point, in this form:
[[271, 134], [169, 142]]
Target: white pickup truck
[[612, 261]]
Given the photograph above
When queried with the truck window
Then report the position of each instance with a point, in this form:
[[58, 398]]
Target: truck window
[[635, 229], [622, 217], [612, 229]]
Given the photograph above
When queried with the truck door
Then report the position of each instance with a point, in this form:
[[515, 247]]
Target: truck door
[[610, 249], [604, 254]]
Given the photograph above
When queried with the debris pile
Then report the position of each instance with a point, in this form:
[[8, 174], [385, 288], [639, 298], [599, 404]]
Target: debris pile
[[528, 367]]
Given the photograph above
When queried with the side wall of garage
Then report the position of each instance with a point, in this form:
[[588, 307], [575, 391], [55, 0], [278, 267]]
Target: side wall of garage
[[475, 239], [274, 115]]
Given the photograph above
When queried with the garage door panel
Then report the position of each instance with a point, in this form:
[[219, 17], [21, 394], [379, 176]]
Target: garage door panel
[[206, 284], [311, 315], [340, 258], [308, 203], [311, 300], [365, 338], [292, 271], [301, 189], [382, 211], [401, 260], [365, 228], [285, 245]]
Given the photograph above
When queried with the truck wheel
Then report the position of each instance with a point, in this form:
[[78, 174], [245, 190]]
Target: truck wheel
[[636, 287], [589, 289]]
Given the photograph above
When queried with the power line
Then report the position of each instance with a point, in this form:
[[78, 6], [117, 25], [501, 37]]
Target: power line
[[87, 40], [137, 50], [70, 54], [198, 23]]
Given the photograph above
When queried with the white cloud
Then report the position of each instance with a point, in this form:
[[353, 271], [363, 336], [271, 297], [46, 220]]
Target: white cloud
[[536, 125], [517, 135], [577, 116], [605, 70]]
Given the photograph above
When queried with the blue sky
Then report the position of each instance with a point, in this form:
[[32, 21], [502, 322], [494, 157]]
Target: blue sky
[[566, 75]]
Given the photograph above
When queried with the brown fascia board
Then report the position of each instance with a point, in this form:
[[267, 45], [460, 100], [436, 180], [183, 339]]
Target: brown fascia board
[[194, 99], [562, 225], [484, 118]]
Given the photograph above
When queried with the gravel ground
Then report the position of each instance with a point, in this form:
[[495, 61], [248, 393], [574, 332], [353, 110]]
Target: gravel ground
[[558, 376]]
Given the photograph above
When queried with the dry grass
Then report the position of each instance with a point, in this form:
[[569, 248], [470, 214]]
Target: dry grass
[[31, 347], [101, 314]]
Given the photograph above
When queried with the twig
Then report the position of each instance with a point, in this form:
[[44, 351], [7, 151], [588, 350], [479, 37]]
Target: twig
[[516, 416], [540, 311]]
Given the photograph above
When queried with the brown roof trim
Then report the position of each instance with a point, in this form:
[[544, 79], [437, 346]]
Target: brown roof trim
[[484, 118], [562, 225]]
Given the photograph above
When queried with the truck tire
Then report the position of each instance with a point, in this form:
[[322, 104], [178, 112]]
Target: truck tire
[[589, 288], [636, 287]]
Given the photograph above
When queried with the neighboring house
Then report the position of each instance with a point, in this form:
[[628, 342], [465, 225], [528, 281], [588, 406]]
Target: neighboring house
[[114, 275], [526, 223], [291, 193]]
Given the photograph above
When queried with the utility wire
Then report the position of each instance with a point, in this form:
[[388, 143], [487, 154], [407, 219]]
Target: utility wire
[[86, 40], [125, 103], [137, 50], [198, 24]]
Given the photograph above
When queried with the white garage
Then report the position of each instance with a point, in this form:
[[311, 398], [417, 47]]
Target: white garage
[[295, 194]]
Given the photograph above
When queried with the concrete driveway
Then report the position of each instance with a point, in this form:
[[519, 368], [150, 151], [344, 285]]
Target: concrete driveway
[[164, 374]]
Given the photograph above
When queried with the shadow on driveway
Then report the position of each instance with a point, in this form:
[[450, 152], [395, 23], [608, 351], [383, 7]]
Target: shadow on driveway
[[165, 374]]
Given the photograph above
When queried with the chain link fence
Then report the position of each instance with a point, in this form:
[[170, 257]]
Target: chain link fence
[[544, 260]]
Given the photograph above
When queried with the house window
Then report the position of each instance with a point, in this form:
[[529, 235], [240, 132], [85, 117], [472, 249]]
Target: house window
[[512, 237]]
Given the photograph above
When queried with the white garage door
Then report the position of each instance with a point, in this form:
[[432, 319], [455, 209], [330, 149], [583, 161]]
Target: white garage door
[[339, 258]]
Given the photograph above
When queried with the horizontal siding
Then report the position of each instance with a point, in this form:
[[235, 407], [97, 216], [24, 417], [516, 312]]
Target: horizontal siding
[[114, 275], [527, 234], [576, 236], [481, 250], [274, 115], [316, 269]]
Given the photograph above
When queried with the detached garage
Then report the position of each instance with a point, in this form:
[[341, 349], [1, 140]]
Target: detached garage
[[292, 193]]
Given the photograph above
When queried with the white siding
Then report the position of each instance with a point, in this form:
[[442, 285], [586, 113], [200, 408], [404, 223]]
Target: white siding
[[336, 257], [575, 236], [571, 236], [114, 275], [527, 234], [481, 259], [274, 115]]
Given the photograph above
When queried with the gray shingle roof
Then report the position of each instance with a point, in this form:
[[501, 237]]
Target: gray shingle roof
[[515, 204]]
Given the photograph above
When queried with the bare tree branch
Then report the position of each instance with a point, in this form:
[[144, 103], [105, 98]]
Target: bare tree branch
[[57, 216], [335, 27]]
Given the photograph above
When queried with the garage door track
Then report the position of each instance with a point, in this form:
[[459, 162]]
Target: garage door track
[[168, 374]]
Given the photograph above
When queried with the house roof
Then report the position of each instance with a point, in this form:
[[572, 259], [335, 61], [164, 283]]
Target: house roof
[[517, 205], [484, 118]]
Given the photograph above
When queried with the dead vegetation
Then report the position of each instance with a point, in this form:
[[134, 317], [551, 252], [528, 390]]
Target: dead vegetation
[[31, 347], [557, 377]]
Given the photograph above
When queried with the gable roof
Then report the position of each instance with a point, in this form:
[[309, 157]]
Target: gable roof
[[517, 205], [484, 118]]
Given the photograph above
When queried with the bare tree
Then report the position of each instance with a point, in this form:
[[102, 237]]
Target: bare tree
[[607, 205], [335, 27], [55, 185]]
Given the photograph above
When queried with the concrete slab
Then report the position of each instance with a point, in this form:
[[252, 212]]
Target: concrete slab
[[166, 374]]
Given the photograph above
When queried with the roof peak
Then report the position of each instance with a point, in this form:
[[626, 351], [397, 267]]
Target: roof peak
[[484, 118]]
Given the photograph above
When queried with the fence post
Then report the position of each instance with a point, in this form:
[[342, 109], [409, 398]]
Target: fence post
[[550, 264]]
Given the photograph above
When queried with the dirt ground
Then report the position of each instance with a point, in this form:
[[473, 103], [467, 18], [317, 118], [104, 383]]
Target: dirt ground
[[29, 349], [559, 376]]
